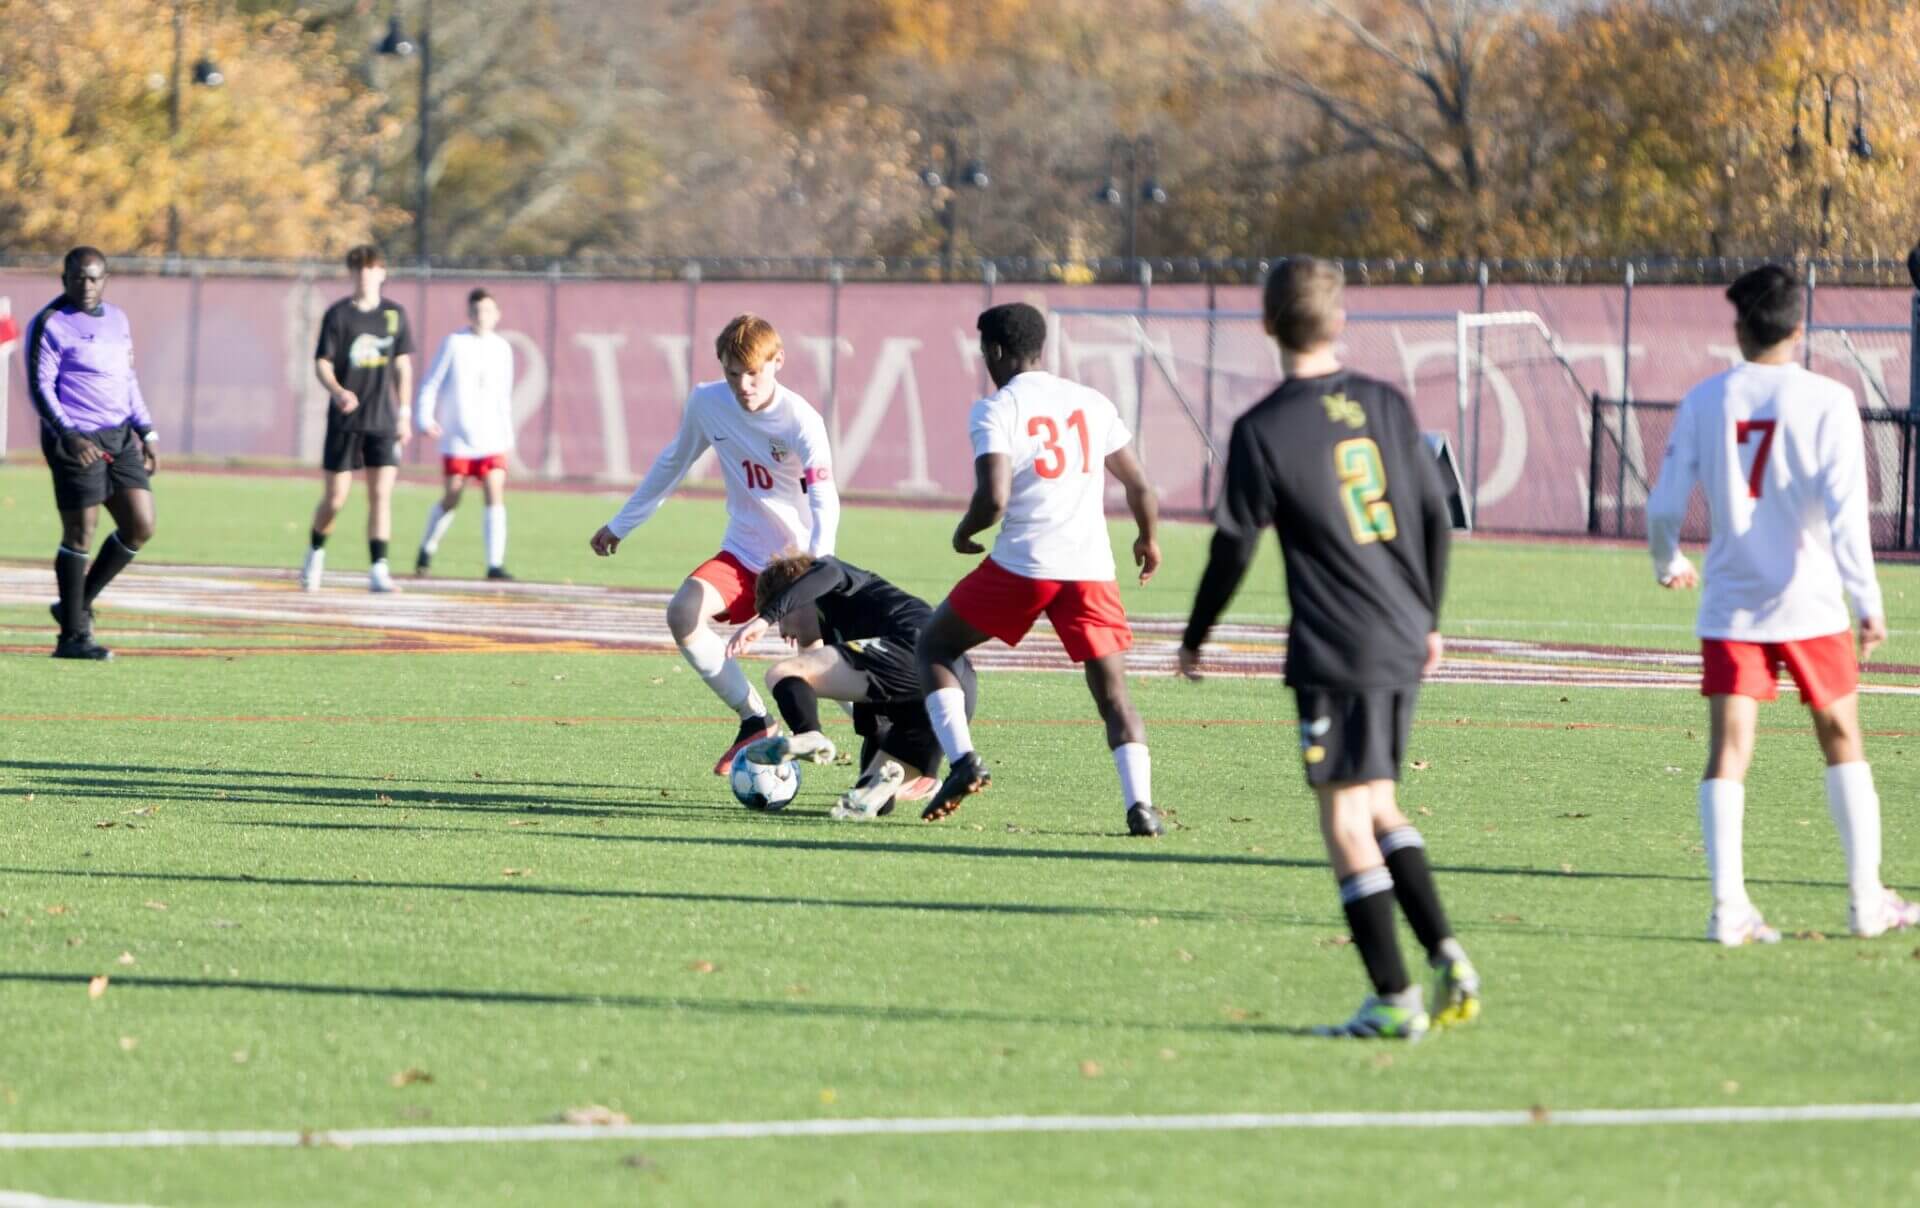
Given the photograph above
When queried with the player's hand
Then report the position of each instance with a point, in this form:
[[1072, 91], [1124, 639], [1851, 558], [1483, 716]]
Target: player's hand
[[81, 449], [430, 429], [1684, 579], [604, 542], [347, 401], [151, 456], [1436, 650], [963, 543], [1189, 666], [403, 425], [745, 636], [1146, 556], [1873, 631]]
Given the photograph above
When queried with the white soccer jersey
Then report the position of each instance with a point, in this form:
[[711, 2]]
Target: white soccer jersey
[[1058, 435], [1781, 457], [469, 392], [777, 467]]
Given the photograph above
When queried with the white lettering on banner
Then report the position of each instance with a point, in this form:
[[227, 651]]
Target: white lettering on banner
[[892, 370], [1121, 362], [602, 347], [674, 350], [1730, 353], [1508, 470], [300, 322], [1613, 364], [6, 374], [1868, 365], [820, 350], [529, 393]]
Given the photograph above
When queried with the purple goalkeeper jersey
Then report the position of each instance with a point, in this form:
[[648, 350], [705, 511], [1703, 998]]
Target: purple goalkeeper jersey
[[80, 370]]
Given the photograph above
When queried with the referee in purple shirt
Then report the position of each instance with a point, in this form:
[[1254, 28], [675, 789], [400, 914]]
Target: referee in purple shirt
[[98, 439]]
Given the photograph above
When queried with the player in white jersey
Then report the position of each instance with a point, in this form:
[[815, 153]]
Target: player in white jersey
[[772, 451], [1039, 445], [467, 401], [1780, 456]]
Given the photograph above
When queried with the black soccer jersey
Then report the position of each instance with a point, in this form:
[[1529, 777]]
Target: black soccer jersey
[[362, 345], [854, 604], [1336, 464]]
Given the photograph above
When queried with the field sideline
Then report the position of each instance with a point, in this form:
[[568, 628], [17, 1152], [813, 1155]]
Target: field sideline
[[359, 881]]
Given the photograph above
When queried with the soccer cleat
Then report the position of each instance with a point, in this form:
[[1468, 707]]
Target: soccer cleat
[[422, 563], [1378, 1019], [969, 776], [1737, 925], [918, 789], [1456, 992], [810, 746], [81, 646], [872, 797], [312, 569], [499, 573], [380, 579], [1144, 821], [752, 730], [1890, 912]]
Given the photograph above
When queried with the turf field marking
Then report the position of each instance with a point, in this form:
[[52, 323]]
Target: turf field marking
[[27, 1199], [754, 1130]]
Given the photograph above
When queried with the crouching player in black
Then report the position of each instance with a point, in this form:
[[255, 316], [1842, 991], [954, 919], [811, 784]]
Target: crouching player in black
[[1335, 462], [856, 633]]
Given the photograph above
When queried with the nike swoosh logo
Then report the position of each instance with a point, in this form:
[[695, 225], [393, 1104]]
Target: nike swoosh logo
[[718, 439]]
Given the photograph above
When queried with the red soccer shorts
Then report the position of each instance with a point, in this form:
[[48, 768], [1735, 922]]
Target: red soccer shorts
[[734, 582], [473, 467], [1824, 669], [1085, 613]]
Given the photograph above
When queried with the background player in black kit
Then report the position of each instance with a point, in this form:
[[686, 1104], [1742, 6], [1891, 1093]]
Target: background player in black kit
[[856, 634], [1334, 461]]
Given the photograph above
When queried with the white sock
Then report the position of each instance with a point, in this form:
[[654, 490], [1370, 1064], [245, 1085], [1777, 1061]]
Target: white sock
[[1855, 807], [439, 520], [707, 655], [1135, 765], [494, 525], [947, 708], [1723, 811]]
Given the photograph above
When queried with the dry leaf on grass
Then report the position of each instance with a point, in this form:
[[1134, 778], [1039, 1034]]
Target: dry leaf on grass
[[702, 967], [1090, 1069], [408, 1077], [109, 824], [129, 1043], [145, 811], [594, 1114], [126, 958], [518, 822], [97, 987], [516, 872], [1421, 765], [154, 905], [56, 910]]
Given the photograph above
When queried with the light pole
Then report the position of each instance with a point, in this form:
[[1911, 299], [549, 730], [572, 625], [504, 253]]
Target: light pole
[[1857, 145], [206, 74], [397, 45], [946, 176], [1138, 154]]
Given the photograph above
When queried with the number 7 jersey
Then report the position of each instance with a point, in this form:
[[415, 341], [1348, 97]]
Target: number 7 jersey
[[1057, 434], [1781, 458]]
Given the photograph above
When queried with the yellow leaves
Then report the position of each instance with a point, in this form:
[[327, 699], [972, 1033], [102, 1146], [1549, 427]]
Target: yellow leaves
[[97, 988], [409, 1077]]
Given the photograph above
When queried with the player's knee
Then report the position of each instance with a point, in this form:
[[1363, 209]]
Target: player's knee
[[683, 614], [137, 534]]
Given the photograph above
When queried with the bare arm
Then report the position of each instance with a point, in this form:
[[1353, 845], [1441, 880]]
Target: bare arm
[[992, 486], [403, 395], [1144, 505], [338, 395]]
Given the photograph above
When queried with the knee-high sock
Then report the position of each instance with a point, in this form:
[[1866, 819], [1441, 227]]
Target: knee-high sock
[[1723, 811], [439, 520], [1855, 807], [1368, 899], [1135, 765], [707, 655], [1413, 887], [798, 703], [113, 558], [70, 572], [494, 525], [947, 708]]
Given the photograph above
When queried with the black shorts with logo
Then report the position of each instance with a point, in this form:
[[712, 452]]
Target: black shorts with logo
[[1352, 737], [894, 718], [348, 450], [123, 467]]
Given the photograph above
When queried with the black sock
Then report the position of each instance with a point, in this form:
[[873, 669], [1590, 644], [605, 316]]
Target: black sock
[[799, 707], [1413, 886], [70, 572], [1368, 899], [319, 539], [376, 550], [110, 561]]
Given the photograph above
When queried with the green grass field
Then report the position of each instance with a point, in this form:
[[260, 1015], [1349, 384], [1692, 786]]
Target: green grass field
[[358, 890]]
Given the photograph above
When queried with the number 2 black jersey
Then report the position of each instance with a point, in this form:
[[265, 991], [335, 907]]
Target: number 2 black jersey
[[1337, 466]]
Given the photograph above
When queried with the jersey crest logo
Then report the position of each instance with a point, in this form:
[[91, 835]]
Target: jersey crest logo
[[1343, 410], [778, 449], [393, 322]]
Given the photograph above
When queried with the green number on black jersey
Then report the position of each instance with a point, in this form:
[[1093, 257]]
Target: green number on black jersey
[[1363, 489]]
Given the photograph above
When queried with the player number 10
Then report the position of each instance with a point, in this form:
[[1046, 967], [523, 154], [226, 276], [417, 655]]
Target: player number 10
[[1363, 489], [758, 476]]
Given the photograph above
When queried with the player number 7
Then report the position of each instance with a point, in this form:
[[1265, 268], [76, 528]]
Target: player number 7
[[1743, 430]]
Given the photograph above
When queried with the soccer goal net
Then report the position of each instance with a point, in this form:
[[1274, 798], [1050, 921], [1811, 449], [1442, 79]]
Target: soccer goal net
[[1513, 415]]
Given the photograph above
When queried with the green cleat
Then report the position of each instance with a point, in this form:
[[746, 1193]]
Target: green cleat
[[1456, 992], [1379, 1019]]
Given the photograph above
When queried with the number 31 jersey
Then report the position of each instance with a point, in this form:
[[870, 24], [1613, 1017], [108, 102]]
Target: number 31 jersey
[[1057, 434], [1779, 453]]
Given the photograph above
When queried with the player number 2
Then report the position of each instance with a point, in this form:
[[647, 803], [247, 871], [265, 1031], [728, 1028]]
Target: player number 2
[[1745, 430], [1052, 462], [758, 476], [1363, 489]]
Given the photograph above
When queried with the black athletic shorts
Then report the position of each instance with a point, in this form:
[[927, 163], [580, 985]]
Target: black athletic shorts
[[348, 450], [124, 468], [894, 717], [1350, 737]]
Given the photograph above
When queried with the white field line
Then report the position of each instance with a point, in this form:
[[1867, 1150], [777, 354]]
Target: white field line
[[932, 1126], [27, 1199]]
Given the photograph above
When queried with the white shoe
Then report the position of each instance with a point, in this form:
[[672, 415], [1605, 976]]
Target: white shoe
[[1737, 925], [310, 571], [380, 579], [809, 747], [1889, 912], [873, 796]]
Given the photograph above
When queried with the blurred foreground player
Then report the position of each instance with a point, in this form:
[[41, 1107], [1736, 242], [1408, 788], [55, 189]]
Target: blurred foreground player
[[1335, 462], [1781, 457], [98, 440], [467, 401]]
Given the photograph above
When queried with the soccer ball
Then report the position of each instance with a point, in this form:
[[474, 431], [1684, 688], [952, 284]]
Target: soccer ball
[[763, 786]]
